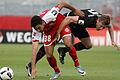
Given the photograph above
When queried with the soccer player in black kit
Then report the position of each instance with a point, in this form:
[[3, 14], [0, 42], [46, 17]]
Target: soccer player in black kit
[[78, 25], [92, 19]]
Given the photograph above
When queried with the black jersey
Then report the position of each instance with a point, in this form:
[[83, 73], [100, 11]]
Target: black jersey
[[89, 20]]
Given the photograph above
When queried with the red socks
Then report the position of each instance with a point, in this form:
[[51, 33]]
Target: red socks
[[53, 64], [73, 54]]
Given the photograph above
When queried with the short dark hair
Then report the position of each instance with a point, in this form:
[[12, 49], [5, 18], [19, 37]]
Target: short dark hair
[[105, 19], [35, 20]]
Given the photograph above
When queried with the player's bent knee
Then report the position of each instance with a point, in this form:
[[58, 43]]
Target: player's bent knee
[[49, 55], [69, 46]]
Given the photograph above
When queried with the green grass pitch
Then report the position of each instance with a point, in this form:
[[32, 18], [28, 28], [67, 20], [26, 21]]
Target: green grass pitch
[[101, 63]]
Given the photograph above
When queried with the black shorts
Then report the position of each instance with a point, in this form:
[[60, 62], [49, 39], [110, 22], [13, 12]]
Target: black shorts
[[79, 31]]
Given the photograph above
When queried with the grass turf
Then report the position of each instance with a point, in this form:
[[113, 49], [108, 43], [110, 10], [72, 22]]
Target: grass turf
[[101, 63]]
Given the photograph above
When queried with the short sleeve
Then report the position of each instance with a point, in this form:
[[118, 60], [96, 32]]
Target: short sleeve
[[36, 36], [51, 15]]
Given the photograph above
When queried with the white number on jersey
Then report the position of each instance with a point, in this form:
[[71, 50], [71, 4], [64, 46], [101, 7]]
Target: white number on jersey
[[81, 22], [47, 38], [93, 12]]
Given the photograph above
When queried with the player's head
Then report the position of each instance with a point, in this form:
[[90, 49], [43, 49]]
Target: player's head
[[37, 23], [102, 22]]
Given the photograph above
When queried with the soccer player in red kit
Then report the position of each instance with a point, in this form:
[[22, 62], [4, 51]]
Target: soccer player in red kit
[[48, 23]]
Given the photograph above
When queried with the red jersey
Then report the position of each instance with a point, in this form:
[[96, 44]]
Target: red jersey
[[48, 16], [53, 20]]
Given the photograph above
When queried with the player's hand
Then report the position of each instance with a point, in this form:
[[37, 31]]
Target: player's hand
[[57, 37], [33, 73], [79, 12], [115, 45]]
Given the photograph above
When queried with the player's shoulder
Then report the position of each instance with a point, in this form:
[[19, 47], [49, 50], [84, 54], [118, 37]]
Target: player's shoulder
[[34, 31], [88, 11], [91, 12], [43, 13], [71, 13]]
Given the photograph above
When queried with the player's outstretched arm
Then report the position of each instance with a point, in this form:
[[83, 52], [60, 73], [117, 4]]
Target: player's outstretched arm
[[110, 30], [63, 4], [66, 21], [34, 52]]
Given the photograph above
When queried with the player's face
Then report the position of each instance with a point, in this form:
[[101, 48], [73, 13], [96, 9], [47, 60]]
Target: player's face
[[39, 28], [100, 25]]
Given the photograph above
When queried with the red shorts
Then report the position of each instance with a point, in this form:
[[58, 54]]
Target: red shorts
[[49, 36]]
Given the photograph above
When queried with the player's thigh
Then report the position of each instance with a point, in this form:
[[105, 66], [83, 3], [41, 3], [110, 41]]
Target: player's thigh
[[86, 42], [83, 35], [49, 50], [67, 41], [66, 36]]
